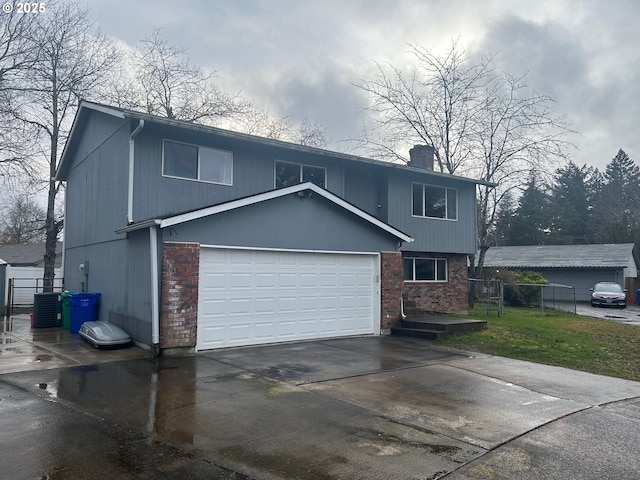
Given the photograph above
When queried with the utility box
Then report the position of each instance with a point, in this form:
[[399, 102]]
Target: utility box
[[46, 310]]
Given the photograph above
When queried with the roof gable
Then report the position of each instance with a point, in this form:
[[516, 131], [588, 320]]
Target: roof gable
[[300, 189]]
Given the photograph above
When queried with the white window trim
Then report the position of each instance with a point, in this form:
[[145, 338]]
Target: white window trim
[[301, 165], [446, 270], [196, 179], [446, 201]]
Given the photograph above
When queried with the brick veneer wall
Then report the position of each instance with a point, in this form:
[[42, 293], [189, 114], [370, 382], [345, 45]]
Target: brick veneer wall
[[391, 284], [444, 297], [179, 300]]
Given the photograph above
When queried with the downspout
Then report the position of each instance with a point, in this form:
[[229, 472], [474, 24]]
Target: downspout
[[132, 145], [155, 298]]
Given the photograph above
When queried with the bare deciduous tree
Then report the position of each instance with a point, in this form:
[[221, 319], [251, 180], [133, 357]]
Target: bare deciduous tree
[[436, 103], [73, 59], [23, 222], [516, 133], [16, 57], [256, 121], [160, 79], [480, 124]]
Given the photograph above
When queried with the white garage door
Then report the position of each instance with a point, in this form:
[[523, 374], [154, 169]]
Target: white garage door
[[249, 297]]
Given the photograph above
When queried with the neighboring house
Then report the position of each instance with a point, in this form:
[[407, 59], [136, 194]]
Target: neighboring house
[[199, 237], [579, 266], [25, 267]]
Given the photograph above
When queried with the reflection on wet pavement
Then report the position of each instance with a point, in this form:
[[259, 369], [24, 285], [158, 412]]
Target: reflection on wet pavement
[[370, 408], [25, 348]]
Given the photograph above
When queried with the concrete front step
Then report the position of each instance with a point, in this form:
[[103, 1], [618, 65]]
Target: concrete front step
[[432, 327], [416, 333]]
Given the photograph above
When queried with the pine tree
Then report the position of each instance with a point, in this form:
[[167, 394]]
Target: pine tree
[[617, 211], [531, 223], [570, 200]]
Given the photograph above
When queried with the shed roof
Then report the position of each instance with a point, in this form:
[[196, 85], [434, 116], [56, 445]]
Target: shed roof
[[25, 253], [620, 255]]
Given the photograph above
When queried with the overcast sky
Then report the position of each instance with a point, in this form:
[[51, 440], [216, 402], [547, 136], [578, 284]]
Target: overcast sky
[[301, 58]]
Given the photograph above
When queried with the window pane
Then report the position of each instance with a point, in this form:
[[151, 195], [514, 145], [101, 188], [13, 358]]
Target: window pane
[[452, 204], [418, 200], [216, 166], [408, 268], [287, 174], [180, 160], [442, 270], [314, 175], [435, 201], [425, 269]]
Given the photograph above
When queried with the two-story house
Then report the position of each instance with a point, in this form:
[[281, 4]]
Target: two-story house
[[199, 237]]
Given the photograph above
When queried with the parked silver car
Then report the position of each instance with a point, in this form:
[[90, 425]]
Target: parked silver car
[[608, 294]]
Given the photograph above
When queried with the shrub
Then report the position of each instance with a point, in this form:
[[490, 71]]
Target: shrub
[[519, 295]]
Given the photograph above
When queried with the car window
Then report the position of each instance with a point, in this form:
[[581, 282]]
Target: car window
[[608, 287]]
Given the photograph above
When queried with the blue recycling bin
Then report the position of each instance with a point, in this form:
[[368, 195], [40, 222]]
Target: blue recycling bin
[[638, 295], [84, 308]]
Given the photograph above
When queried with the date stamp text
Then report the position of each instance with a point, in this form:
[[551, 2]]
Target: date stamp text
[[24, 7]]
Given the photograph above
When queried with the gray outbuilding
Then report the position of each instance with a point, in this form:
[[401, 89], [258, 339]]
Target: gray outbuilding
[[579, 266]]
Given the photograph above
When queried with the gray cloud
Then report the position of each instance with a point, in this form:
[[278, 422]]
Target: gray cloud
[[301, 58]]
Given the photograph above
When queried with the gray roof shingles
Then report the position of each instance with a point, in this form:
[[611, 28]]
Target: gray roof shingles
[[561, 256], [25, 254]]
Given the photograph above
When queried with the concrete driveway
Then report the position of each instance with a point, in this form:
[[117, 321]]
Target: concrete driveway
[[630, 315], [356, 408]]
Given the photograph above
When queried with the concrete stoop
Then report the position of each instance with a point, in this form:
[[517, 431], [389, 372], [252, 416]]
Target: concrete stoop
[[433, 327]]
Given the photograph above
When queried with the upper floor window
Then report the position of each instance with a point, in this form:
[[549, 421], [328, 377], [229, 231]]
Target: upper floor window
[[288, 174], [434, 202], [183, 160], [425, 269]]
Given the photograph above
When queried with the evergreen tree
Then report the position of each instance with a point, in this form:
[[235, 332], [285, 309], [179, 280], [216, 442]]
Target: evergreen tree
[[531, 223], [501, 232], [570, 200], [617, 210]]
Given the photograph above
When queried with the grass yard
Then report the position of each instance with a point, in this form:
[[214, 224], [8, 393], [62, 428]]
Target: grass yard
[[557, 338]]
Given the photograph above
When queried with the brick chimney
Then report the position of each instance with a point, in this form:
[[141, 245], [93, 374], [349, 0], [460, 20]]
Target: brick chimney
[[421, 156]]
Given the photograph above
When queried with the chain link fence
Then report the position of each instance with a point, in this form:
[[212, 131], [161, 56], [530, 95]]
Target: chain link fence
[[544, 296]]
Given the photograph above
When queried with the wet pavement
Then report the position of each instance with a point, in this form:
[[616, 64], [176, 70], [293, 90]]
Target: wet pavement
[[629, 315], [354, 408]]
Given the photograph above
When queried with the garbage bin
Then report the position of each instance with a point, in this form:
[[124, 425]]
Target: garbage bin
[[638, 295], [65, 298], [84, 308]]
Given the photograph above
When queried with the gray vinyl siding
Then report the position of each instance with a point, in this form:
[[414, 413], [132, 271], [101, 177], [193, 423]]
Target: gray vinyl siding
[[288, 222], [120, 271], [253, 172], [430, 234], [105, 261], [366, 188], [96, 193]]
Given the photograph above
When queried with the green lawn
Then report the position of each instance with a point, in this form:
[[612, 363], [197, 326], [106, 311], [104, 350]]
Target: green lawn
[[557, 338]]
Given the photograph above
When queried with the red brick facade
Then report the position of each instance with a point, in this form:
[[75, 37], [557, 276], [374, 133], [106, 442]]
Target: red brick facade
[[443, 297], [391, 284], [179, 300], [180, 278]]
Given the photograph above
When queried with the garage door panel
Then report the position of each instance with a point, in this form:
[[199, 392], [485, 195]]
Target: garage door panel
[[250, 297]]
